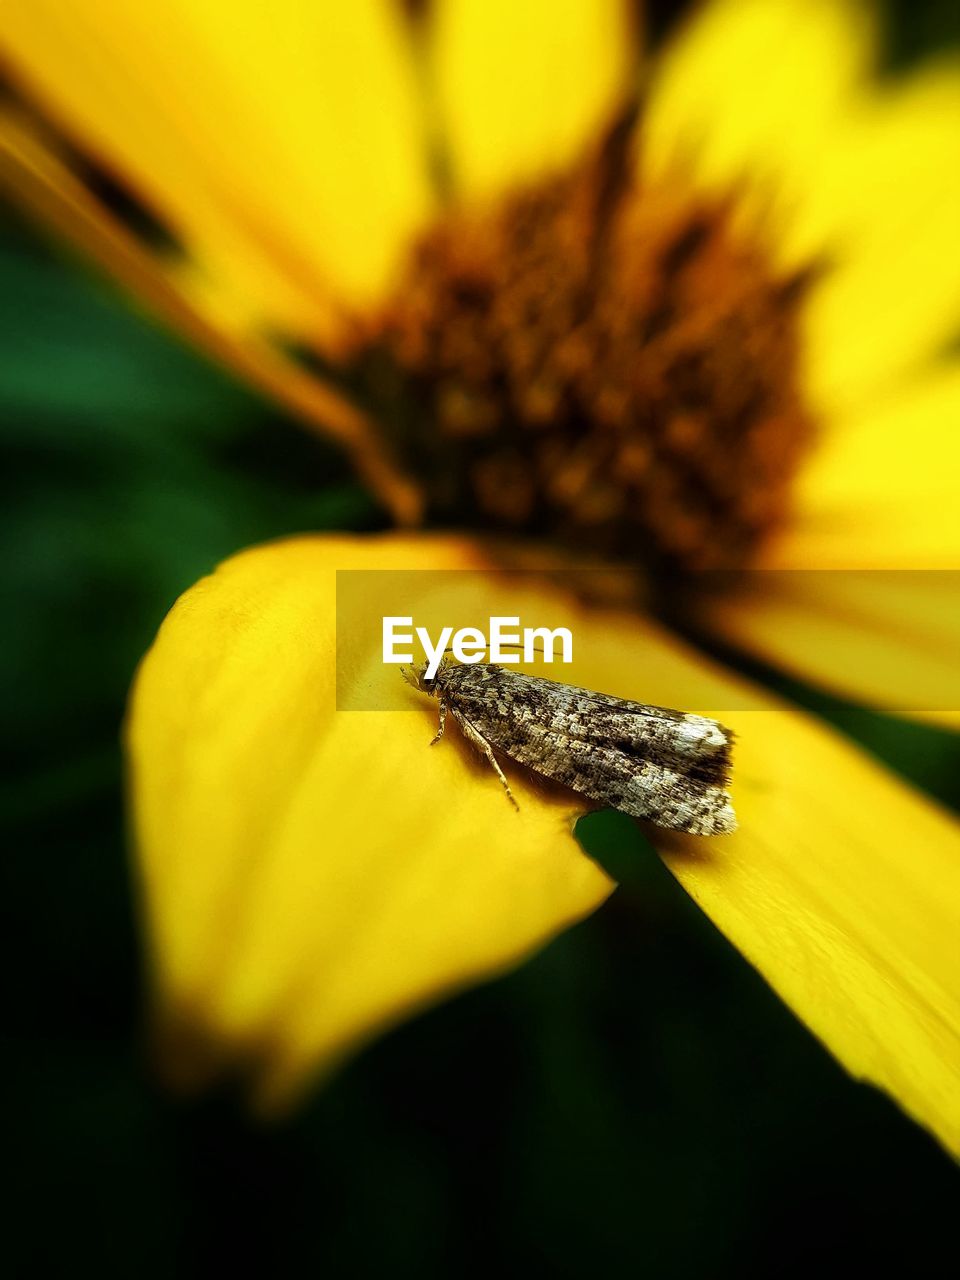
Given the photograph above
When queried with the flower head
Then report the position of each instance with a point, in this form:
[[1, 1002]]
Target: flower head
[[691, 314]]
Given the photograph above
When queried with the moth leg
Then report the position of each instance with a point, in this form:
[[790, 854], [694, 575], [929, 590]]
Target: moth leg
[[443, 720], [473, 735]]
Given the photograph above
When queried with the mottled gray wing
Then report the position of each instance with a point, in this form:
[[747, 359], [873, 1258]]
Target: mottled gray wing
[[491, 693], [651, 762], [474, 679]]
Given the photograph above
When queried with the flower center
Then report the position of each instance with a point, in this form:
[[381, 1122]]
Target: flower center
[[599, 363]]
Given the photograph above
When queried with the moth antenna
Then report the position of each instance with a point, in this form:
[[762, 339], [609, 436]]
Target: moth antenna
[[517, 648]]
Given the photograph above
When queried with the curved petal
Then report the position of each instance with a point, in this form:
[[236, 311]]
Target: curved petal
[[889, 640], [843, 888], [750, 91], [884, 208], [311, 875], [861, 591], [522, 88], [39, 182], [829, 168], [254, 129], [880, 490]]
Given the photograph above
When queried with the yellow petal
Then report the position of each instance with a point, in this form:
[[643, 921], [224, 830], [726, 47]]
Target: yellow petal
[[282, 141], [750, 91], [884, 206], [41, 184], [311, 874], [522, 88], [880, 491], [772, 100], [863, 594], [843, 888], [887, 639]]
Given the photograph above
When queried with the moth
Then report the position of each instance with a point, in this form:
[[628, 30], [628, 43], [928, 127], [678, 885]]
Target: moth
[[670, 767]]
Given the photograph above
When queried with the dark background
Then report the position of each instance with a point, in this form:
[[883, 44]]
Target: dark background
[[633, 1101]]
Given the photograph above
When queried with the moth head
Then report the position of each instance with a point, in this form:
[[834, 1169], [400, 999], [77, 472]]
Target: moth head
[[417, 676]]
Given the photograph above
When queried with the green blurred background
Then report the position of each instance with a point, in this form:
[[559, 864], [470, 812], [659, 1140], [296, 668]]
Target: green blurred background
[[632, 1101]]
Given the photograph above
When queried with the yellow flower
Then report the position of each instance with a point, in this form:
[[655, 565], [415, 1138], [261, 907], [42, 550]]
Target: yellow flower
[[710, 332]]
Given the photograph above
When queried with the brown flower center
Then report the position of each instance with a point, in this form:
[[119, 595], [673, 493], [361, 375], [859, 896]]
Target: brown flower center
[[599, 363]]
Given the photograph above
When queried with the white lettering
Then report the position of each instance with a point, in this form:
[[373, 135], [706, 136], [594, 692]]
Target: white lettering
[[391, 639], [434, 652], [549, 639], [498, 638], [469, 643], [469, 638]]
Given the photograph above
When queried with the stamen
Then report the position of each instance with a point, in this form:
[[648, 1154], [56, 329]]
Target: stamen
[[601, 363]]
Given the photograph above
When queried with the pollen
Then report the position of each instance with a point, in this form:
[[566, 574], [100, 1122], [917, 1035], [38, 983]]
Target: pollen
[[599, 363]]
